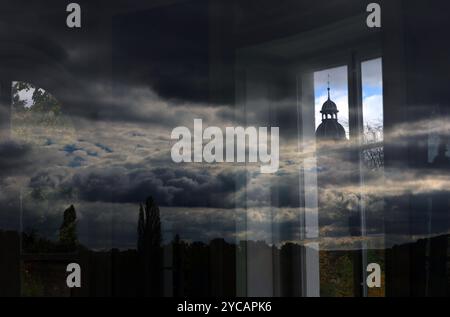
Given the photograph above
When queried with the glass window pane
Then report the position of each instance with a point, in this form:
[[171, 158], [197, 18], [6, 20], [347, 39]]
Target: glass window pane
[[372, 90], [336, 80]]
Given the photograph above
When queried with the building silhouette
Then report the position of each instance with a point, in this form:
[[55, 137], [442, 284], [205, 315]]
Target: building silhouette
[[330, 129]]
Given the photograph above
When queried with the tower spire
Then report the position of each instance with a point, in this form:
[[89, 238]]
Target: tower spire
[[328, 87], [330, 128]]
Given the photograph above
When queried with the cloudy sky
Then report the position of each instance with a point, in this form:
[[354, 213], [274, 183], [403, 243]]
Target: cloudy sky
[[125, 80]]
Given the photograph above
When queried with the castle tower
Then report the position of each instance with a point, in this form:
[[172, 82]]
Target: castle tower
[[330, 129]]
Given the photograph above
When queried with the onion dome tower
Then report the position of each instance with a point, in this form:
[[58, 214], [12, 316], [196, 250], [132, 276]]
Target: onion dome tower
[[330, 129]]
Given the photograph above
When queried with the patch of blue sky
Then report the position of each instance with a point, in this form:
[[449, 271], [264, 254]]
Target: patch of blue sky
[[91, 153], [104, 147], [369, 91], [77, 161], [372, 84], [70, 148]]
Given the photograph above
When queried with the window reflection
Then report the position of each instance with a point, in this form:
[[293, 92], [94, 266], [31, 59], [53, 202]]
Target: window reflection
[[86, 172], [336, 80], [372, 94]]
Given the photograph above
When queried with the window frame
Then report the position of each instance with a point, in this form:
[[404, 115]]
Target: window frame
[[352, 58]]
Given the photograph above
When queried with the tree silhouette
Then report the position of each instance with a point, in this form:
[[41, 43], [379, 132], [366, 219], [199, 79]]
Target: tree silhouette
[[149, 247], [18, 103], [141, 230], [42, 101], [68, 229]]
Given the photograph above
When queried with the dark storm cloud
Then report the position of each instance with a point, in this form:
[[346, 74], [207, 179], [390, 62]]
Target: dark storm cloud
[[284, 114], [122, 46], [114, 103], [124, 60], [166, 48], [15, 159], [14, 156], [157, 53], [44, 179], [170, 187], [281, 113], [201, 188], [285, 191], [116, 185]]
